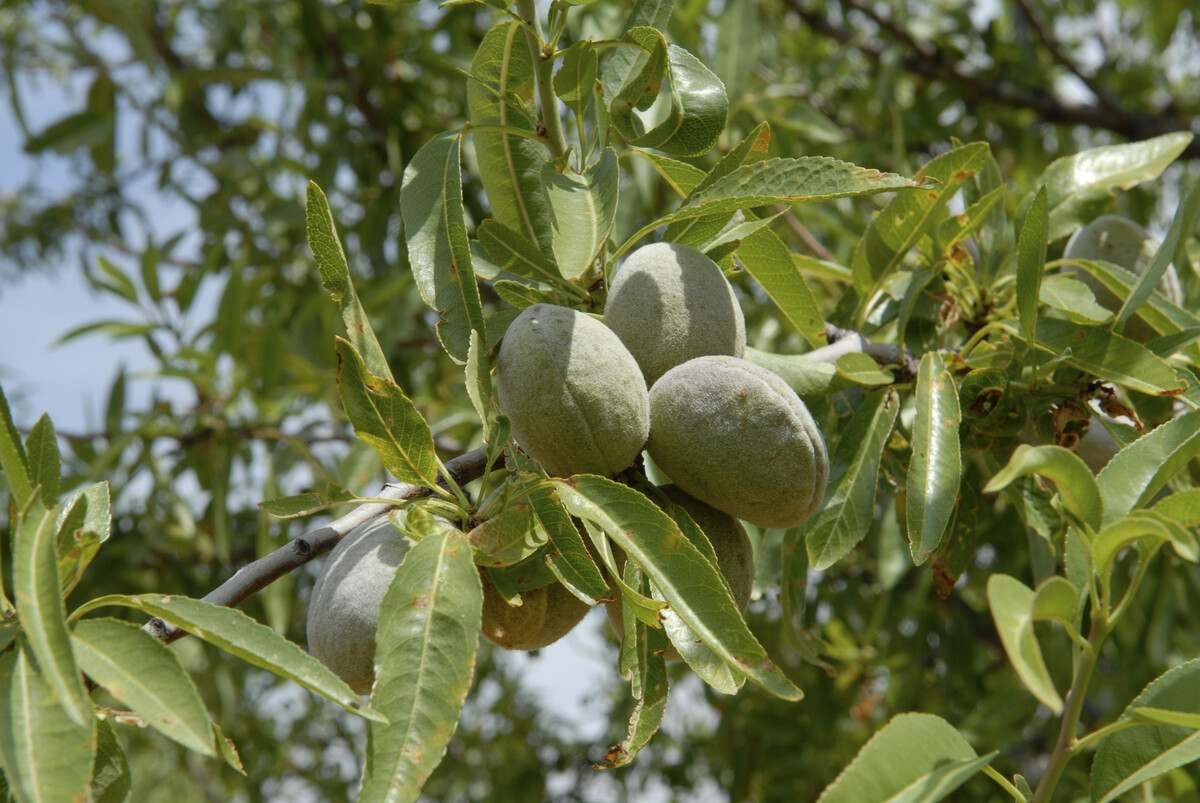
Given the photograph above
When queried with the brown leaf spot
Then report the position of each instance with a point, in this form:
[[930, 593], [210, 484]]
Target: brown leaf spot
[[943, 581], [420, 601], [962, 175]]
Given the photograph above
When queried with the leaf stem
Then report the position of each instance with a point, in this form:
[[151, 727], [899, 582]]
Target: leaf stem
[[1100, 734], [1004, 784], [543, 65], [1064, 748]]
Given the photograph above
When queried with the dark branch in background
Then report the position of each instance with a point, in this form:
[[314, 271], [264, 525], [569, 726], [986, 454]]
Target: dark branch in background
[[253, 577], [927, 60]]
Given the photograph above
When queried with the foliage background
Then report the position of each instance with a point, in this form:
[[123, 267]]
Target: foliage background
[[225, 109]]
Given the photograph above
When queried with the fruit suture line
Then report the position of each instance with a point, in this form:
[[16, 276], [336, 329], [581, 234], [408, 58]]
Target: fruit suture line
[[258, 574]]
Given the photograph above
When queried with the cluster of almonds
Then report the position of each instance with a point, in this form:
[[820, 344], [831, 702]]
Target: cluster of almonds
[[662, 373]]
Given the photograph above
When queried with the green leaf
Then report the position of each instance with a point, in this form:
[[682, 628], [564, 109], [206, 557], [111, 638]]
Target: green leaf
[[1105, 168], [576, 78], [36, 587], [914, 757], [568, 558], [696, 100], [807, 377], [754, 147], [1109, 356], [118, 330], [1031, 262], [583, 208], [1077, 487], [478, 378], [1133, 528], [45, 462], [510, 166], [436, 236], [900, 225], [142, 672], [13, 460], [739, 39], [424, 660], [386, 420], [111, 780], [305, 504], [46, 755], [936, 468], [513, 253], [240, 636], [1141, 469], [767, 258], [334, 271], [1056, 600], [1072, 298], [1129, 758], [1162, 716], [850, 504], [84, 523], [119, 282], [860, 369], [690, 584], [624, 61], [1159, 312], [1183, 507], [778, 181], [681, 177], [1180, 231], [650, 700], [507, 538], [1011, 602]]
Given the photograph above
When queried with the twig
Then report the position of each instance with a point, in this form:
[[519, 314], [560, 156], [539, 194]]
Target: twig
[[806, 236], [933, 63], [254, 577], [1060, 56]]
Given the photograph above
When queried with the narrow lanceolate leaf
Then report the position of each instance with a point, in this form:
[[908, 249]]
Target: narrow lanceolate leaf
[[1076, 485], [143, 673], [779, 181], [583, 208], [386, 419], [768, 260], [47, 757], [510, 166], [1164, 316], [936, 468], [914, 757], [1140, 470], [1105, 168], [686, 579], [681, 177], [424, 660], [1109, 356], [1031, 262], [240, 636], [478, 379], [900, 225], [1181, 229], [568, 558], [436, 236], [739, 38], [83, 525], [13, 459], [45, 462], [1011, 602], [850, 505], [111, 780], [650, 700], [40, 608], [1131, 757], [334, 271]]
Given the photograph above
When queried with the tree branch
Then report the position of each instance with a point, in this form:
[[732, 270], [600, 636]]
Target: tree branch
[[928, 61], [255, 576]]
